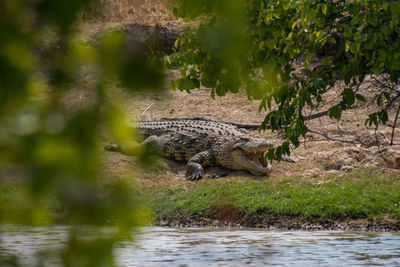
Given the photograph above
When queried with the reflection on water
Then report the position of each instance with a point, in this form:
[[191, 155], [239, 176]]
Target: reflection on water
[[216, 247]]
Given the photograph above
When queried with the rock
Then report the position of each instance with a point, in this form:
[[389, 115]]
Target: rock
[[347, 168], [369, 138], [163, 223], [312, 172], [371, 164], [397, 161], [332, 172], [347, 162]]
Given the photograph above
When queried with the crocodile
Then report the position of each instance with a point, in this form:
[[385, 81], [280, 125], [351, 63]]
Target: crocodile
[[202, 143]]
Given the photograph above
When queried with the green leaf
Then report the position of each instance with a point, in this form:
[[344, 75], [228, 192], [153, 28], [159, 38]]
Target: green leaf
[[220, 90], [379, 100], [285, 148], [307, 98], [372, 119], [324, 9], [327, 60], [383, 116], [263, 104], [278, 153], [348, 97], [270, 154], [360, 98], [387, 95], [335, 112], [309, 58], [196, 82], [294, 139], [176, 43], [213, 93]]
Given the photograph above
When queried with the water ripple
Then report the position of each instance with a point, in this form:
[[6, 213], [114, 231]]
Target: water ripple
[[157, 246]]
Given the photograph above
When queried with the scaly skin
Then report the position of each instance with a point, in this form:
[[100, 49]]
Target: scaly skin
[[203, 143]]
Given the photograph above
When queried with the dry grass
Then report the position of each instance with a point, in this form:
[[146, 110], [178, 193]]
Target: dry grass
[[144, 12]]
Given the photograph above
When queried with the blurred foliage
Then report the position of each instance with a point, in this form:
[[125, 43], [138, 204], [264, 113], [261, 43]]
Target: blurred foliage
[[49, 158], [288, 54]]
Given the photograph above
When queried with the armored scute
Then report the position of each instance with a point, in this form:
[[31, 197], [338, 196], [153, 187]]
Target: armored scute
[[203, 143]]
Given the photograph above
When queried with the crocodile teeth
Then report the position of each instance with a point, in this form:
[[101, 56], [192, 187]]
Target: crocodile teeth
[[257, 157]]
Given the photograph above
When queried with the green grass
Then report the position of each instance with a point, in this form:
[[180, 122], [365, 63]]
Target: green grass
[[365, 193], [362, 194]]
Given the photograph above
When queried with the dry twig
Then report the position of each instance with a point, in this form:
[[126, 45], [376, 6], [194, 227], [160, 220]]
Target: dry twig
[[379, 147], [394, 125], [332, 138]]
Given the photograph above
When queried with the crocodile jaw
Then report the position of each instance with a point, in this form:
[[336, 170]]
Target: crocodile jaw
[[252, 159], [252, 162]]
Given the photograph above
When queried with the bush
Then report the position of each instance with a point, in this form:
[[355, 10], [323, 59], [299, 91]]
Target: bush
[[50, 157], [288, 54]]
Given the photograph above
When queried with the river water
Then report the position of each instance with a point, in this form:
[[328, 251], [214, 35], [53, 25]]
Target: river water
[[222, 247]]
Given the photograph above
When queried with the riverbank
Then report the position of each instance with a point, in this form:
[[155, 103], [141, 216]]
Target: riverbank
[[365, 199]]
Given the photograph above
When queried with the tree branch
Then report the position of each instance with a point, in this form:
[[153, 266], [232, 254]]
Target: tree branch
[[331, 138], [394, 125], [392, 101], [379, 147]]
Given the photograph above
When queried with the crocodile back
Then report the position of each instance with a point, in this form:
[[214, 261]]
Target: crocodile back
[[189, 127]]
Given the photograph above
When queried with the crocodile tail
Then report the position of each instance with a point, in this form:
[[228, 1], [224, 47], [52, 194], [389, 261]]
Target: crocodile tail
[[287, 159]]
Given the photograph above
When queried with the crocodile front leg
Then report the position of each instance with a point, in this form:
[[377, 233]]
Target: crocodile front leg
[[194, 167]]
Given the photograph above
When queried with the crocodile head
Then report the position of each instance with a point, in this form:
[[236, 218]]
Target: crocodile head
[[247, 153]]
